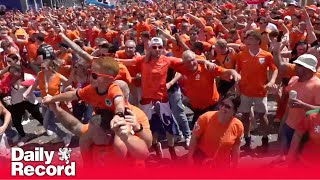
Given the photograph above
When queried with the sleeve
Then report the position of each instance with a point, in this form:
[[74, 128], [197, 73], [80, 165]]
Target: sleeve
[[114, 92], [84, 93], [177, 65], [240, 129], [200, 126], [124, 74], [218, 71]]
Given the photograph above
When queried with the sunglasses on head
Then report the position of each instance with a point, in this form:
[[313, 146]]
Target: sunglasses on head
[[157, 47], [96, 75], [227, 106]]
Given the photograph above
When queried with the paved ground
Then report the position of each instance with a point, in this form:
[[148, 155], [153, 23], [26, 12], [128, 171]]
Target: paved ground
[[253, 159]]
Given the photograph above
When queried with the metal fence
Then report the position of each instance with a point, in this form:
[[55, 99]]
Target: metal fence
[[59, 3]]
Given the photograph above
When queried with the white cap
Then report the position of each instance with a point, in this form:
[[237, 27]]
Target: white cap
[[156, 41], [308, 61], [293, 2], [288, 18]]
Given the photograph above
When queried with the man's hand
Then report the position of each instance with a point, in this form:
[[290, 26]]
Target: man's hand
[[296, 103], [132, 120], [269, 85], [121, 128], [47, 100], [234, 75], [209, 65]]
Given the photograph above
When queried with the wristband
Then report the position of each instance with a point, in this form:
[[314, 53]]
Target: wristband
[[141, 128]]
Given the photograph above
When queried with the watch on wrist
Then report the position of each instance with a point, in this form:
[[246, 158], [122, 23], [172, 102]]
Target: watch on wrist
[[140, 129]]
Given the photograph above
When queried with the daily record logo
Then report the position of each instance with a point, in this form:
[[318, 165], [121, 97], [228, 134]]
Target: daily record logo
[[44, 162]]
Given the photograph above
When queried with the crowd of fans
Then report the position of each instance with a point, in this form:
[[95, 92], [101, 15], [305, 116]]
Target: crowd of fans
[[120, 79]]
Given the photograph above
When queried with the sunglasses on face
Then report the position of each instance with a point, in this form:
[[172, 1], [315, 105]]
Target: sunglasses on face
[[193, 34], [96, 75], [227, 106], [157, 47]]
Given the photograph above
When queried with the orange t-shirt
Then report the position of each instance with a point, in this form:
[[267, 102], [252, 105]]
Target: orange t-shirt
[[254, 72], [153, 76], [53, 85], [31, 50], [122, 55], [53, 41], [72, 34], [295, 37], [206, 47], [200, 86], [177, 50], [264, 41], [307, 92], [217, 139], [102, 101], [212, 41], [123, 74], [227, 61], [141, 27], [109, 36], [311, 125]]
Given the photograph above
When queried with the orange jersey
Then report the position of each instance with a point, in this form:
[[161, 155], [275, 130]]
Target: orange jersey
[[141, 27], [72, 34], [206, 47], [123, 74], [122, 55], [254, 72], [216, 140], [153, 76], [53, 84], [31, 50], [102, 101], [295, 37], [109, 36], [226, 60], [200, 86], [264, 41], [53, 41], [177, 50]]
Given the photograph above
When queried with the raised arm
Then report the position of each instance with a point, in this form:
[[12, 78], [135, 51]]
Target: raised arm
[[77, 49]]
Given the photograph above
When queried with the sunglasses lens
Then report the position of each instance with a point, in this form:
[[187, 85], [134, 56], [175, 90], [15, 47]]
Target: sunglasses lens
[[157, 47]]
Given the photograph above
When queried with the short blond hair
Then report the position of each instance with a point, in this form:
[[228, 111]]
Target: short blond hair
[[106, 65], [188, 53]]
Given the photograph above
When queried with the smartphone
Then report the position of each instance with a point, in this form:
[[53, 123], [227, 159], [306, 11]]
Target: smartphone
[[126, 111], [279, 38]]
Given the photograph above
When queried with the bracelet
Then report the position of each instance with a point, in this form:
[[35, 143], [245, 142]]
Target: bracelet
[[141, 128]]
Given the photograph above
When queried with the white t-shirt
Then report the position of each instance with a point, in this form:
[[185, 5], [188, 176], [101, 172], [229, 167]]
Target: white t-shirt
[[17, 91]]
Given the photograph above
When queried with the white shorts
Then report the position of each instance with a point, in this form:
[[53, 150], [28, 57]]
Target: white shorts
[[260, 105]]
